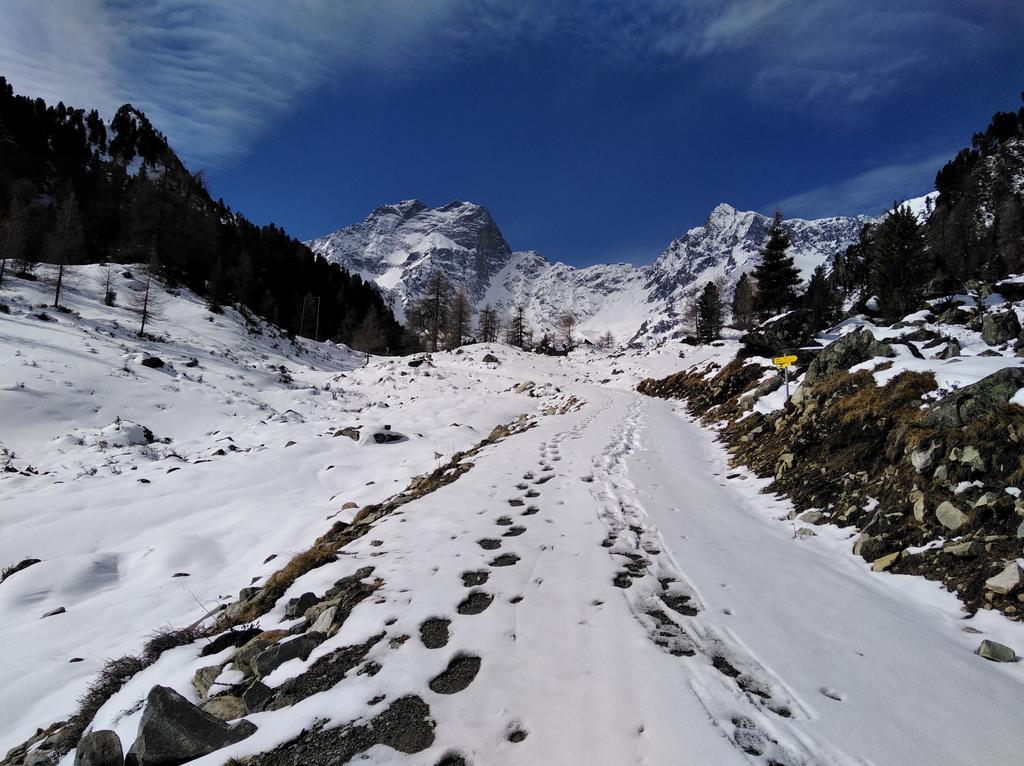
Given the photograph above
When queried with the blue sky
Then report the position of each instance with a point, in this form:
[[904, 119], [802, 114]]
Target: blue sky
[[594, 131]]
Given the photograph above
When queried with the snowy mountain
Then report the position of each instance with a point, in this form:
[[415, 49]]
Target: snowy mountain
[[399, 246]]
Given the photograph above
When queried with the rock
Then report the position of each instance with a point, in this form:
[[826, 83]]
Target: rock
[[923, 457], [153, 362], [52, 612], [522, 388], [274, 656], [242, 659], [204, 678], [256, 696], [349, 505], [1008, 580], [884, 562], [951, 350], [846, 352], [950, 516], [1000, 327], [964, 405], [868, 547], [42, 756], [968, 456], [173, 731], [780, 334], [811, 517], [387, 437], [964, 550], [324, 621], [996, 652], [1020, 530], [490, 359], [349, 431], [296, 607], [99, 748], [226, 707]]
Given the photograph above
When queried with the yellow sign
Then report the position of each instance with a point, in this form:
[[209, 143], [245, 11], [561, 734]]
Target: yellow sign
[[782, 362]]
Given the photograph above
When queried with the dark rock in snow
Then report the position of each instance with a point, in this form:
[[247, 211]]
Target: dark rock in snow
[[274, 656], [996, 652], [846, 352], [174, 731], [1000, 327], [153, 362], [99, 748], [297, 607], [490, 359], [969, 403]]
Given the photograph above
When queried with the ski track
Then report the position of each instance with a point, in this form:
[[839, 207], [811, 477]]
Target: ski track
[[758, 711]]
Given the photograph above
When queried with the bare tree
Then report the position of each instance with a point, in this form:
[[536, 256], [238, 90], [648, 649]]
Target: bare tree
[[607, 341], [516, 332], [432, 309], [109, 296], [566, 326], [458, 319], [64, 244], [147, 301], [489, 325]]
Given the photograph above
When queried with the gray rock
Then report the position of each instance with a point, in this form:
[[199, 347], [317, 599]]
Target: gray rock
[[811, 517], [324, 621], [951, 350], [42, 757], [1007, 581], [99, 748], [923, 457], [273, 657], [999, 327], [884, 562], [846, 352], [996, 652], [781, 335], [964, 550], [968, 456], [242, 659], [226, 707], [950, 516], [256, 696], [960, 407], [173, 731], [490, 359], [296, 607], [204, 678]]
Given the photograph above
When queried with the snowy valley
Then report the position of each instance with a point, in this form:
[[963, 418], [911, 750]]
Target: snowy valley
[[528, 561]]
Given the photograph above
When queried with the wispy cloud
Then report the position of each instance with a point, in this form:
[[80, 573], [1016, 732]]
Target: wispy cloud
[[214, 75], [870, 192]]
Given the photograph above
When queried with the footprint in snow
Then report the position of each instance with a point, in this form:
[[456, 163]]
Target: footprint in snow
[[434, 632], [489, 543], [457, 676], [475, 603], [471, 579]]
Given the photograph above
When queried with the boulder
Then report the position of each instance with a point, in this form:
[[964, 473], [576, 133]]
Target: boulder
[[951, 350], [350, 431], [964, 405], [275, 656], [999, 327], [1008, 580], [780, 334], [242, 659], [153, 362], [324, 621], [388, 437], [204, 678], [490, 359], [173, 731], [966, 550], [99, 748], [884, 562], [923, 457], [256, 696], [996, 652], [226, 707], [296, 607], [968, 456], [950, 516], [851, 349]]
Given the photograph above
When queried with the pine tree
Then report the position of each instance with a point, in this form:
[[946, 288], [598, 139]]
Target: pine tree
[[517, 330], [743, 303], [898, 263], [430, 313], [607, 341], [708, 310], [822, 299], [13, 235], [776, 276], [64, 244]]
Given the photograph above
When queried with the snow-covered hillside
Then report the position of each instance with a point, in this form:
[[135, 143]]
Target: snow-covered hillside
[[400, 246], [600, 567]]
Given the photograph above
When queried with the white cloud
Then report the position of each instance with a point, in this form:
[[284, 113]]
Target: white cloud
[[212, 76], [870, 192]]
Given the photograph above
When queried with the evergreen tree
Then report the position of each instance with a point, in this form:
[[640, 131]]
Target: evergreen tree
[[708, 310], [517, 330], [13, 235], [776, 276], [743, 303], [822, 299], [607, 341], [431, 311], [898, 263]]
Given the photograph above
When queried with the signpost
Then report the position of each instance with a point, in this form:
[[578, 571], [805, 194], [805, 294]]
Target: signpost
[[783, 363]]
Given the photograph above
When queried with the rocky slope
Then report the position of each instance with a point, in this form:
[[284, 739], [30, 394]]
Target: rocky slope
[[399, 246]]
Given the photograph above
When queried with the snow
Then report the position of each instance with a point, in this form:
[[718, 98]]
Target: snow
[[849, 666]]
